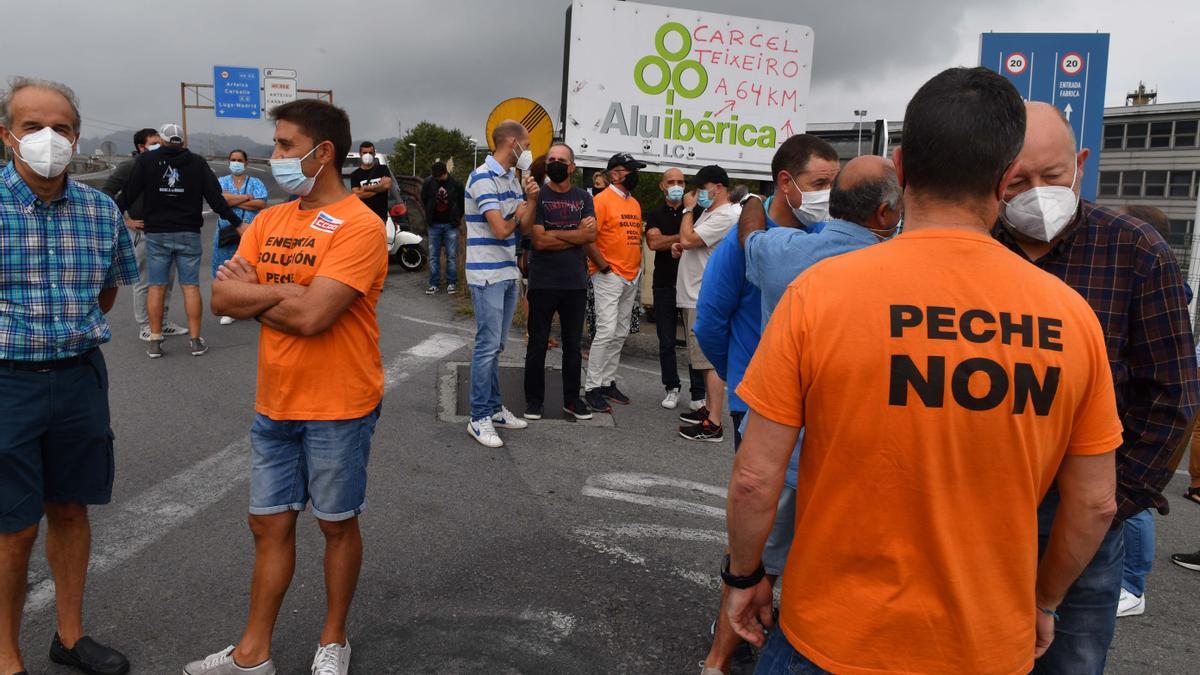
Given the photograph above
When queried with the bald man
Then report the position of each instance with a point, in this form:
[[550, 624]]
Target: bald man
[[865, 203], [1126, 272], [662, 231]]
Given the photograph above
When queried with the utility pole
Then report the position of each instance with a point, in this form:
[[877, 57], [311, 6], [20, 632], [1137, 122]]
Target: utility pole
[[860, 114]]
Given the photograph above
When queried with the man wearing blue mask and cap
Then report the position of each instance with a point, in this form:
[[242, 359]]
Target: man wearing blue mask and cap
[[1127, 273]]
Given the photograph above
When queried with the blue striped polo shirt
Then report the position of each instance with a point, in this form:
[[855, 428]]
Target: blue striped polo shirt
[[491, 188]]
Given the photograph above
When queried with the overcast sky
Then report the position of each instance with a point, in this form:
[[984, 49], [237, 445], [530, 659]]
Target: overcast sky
[[397, 62]]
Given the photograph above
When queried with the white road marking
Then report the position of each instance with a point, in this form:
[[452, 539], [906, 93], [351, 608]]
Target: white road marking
[[149, 516], [632, 488], [600, 538]]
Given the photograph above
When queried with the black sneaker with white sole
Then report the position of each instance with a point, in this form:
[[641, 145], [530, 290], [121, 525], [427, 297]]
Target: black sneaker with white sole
[[705, 431], [1189, 560], [198, 346], [578, 409], [154, 349], [533, 410], [694, 416]]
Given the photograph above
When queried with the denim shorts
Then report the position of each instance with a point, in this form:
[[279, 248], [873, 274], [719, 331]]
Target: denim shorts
[[55, 441], [180, 248], [325, 461]]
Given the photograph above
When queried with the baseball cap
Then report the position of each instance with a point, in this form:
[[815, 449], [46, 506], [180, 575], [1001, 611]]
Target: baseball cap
[[171, 133], [626, 160], [710, 174]]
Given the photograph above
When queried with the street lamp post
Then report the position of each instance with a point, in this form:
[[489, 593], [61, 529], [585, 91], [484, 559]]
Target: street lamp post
[[474, 153], [860, 114], [414, 147]]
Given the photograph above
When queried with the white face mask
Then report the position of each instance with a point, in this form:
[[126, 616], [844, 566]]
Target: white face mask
[[1041, 213], [368, 159], [525, 159], [45, 151], [814, 206]]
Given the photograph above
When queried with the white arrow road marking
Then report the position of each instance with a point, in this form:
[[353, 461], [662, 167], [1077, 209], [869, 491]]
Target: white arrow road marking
[[1068, 111], [632, 488], [148, 517]]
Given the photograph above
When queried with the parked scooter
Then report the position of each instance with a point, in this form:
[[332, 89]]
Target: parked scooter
[[403, 245]]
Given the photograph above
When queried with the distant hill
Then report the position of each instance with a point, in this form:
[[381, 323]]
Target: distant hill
[[201, 142]]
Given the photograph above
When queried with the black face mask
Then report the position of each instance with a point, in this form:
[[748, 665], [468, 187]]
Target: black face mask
[[557, 172], [630, 181]]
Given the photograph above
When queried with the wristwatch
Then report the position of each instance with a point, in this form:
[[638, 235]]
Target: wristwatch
[[742, 582]]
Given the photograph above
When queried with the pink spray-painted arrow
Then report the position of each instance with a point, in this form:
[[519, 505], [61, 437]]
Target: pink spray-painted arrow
[[729, 105]]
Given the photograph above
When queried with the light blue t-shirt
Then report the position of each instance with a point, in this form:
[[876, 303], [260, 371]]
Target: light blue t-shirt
[[774, 258]]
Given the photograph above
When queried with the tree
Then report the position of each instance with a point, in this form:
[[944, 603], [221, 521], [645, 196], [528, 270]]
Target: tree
[[434, 142]]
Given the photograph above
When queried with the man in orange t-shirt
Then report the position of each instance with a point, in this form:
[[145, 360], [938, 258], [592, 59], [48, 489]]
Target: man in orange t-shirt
[[614, 264], [942, 383], [311, 272]]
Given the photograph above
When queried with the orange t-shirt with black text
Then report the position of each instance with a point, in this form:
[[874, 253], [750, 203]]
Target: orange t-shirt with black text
[[618, 232], [337, 374], [940, 379]]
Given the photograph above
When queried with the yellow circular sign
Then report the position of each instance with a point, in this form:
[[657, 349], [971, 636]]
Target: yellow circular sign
[[532, 116]]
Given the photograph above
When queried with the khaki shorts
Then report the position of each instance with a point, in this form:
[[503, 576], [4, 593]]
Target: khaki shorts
[[696, 357]]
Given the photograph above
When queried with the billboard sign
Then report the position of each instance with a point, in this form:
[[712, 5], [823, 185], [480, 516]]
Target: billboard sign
[[1066, 70], [277, 91], [682, 88]]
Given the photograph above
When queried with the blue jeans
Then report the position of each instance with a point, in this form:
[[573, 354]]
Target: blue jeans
[[325, 461], [443, 235], [1088, 615], [494, 307], [779, 657], [1139, 552], [181, 249]]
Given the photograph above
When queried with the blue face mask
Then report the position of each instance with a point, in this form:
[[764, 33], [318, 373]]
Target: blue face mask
[[153, 146], [675, 193], [237, 168], [290, 175], [703, 199]]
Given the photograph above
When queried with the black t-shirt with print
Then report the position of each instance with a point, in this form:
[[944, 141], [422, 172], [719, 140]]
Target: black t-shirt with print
[[365, 177], [560, 270]]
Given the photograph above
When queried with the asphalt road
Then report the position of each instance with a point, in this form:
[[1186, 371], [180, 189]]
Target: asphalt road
[[573, 549]]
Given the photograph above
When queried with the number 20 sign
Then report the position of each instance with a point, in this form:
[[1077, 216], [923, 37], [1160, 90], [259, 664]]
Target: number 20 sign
[[1016, 63]]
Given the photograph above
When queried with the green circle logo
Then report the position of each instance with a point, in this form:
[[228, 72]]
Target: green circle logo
[[668, 76]]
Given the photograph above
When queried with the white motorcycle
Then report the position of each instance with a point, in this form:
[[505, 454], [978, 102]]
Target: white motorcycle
[[403, 245]]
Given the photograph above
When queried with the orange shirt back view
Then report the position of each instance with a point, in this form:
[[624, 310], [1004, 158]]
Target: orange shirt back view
[[940, 380]]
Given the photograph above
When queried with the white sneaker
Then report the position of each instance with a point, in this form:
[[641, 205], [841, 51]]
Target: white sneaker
[[672, 399], [171, 328], [332, 659], [506, 420], [696, 405], [222, 663], [226, 320], [484, 432], [1130, 604], [144, 333]]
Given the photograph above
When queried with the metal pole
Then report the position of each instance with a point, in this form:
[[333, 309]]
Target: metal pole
[[414, 170], [183, 109]]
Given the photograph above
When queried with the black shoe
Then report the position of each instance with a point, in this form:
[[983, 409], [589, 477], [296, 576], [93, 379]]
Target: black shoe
[[533, 411], [613, 394], [694, 416], [596, 401], [1189, 560], [89, 656], [578, 409], [705, 431]]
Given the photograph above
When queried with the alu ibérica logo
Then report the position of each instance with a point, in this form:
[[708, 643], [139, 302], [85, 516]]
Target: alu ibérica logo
[[667, 71]]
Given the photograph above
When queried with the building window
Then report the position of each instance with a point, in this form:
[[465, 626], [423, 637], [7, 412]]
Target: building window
[[1131, 183], [1114, 136], [1181, 184], [1185, 134], [1110, 183], [1135, 136], [1156, 183], [1160, 134], [1179, 233]]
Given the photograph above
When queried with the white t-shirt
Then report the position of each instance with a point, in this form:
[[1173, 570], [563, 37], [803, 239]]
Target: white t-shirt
[[712, 227]]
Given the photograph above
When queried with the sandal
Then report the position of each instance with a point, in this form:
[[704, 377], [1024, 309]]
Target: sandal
[[1192, 495]]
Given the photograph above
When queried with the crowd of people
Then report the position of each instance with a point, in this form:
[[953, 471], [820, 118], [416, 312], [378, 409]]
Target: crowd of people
[[956, 390]]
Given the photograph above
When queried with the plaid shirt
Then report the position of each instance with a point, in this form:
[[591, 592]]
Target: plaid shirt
[[1127, 273], [54, 260]]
